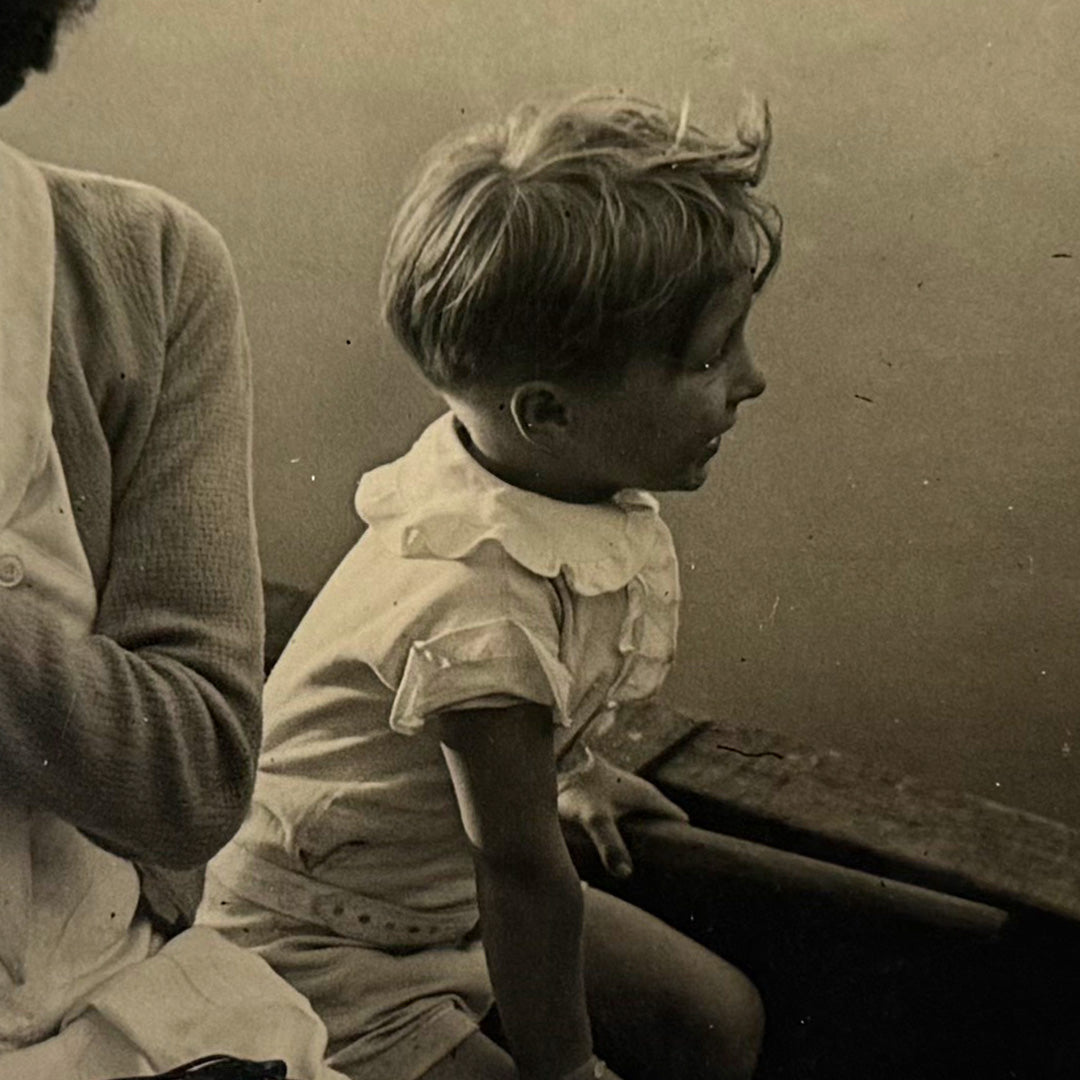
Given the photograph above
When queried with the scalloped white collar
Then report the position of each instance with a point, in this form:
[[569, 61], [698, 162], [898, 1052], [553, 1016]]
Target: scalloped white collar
[[437, 501]]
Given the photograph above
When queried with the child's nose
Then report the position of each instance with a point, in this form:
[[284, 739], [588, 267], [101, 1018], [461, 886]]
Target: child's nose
[[751, 385]]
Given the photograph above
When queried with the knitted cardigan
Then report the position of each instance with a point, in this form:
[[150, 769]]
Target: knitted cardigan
[[145, 734]]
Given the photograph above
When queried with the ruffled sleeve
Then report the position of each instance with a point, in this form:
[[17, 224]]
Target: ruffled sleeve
[[496, 662]]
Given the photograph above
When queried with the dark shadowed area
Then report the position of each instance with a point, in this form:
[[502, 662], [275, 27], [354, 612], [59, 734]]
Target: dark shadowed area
[[886, 557]]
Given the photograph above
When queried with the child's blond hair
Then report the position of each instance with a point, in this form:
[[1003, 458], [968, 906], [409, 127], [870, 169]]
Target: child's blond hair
[[568, 239]]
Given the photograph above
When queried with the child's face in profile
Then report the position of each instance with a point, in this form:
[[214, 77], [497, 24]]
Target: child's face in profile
[[659, 426]]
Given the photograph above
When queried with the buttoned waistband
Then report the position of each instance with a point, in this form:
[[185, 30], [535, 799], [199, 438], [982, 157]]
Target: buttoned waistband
[[342, 911]]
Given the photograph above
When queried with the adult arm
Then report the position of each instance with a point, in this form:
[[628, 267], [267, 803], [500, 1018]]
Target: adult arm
[[502, 765], [145, 734]]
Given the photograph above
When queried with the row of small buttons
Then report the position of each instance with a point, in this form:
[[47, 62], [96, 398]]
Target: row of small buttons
[[12, 571]]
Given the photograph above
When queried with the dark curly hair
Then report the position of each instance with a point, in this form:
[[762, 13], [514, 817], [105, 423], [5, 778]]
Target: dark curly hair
[[28, 32]]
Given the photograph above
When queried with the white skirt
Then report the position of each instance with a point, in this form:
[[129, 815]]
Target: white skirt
[[198, 995]]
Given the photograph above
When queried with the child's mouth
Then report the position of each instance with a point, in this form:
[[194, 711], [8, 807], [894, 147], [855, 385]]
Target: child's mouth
[[709, 449]]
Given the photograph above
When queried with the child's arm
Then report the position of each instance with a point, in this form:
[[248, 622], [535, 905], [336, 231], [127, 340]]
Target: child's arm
[[596, 794], [503, 768]]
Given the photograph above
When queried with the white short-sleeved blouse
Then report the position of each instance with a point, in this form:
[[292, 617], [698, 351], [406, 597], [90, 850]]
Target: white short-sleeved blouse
[[464, 591]]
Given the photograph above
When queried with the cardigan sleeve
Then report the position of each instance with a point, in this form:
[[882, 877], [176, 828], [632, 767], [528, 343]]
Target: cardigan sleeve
[[145, 734]]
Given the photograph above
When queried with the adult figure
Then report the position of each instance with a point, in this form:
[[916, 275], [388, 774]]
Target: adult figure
[[130, 614]]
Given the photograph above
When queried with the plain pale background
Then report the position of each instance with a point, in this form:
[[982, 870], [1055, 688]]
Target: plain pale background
[[886, 558]]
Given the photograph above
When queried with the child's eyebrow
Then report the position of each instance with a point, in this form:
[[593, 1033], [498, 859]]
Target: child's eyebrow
[[738, 319], [725, 296], [735, 326], [727, 323]]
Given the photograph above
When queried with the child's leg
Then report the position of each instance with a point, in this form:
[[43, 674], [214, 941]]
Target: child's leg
[[477, 1058], [661, 1005]]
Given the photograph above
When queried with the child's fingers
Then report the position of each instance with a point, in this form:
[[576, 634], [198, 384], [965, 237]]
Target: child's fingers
[[609, 844]]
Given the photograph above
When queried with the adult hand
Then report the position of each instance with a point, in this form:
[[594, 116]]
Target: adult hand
[[596, 794]]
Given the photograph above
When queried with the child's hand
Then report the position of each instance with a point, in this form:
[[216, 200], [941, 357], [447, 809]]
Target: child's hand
[[596, 794]]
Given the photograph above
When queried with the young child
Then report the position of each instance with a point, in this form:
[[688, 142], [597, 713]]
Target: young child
[[575, 284]]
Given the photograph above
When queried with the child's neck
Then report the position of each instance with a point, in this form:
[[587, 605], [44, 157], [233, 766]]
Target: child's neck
[[522, 466]]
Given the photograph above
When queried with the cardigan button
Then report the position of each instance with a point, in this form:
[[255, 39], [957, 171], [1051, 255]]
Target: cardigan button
[[11, 571]]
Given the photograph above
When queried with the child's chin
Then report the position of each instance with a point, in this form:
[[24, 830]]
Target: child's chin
[[691, 480]]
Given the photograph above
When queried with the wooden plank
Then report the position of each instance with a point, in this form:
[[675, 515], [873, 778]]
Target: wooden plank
[[672, 848], [641, 735], [762, 786]]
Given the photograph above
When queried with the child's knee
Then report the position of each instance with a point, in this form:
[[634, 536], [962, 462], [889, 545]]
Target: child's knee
[[746, 1028], [730, 1023]]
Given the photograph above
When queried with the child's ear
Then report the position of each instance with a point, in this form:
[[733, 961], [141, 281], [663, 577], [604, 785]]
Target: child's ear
[[540, 412]]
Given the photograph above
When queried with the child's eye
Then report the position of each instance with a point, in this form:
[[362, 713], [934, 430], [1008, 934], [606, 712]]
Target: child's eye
[[711, 364], [724, 352], [732, 340]]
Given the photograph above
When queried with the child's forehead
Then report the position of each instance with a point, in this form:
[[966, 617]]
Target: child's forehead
[[729, 301]]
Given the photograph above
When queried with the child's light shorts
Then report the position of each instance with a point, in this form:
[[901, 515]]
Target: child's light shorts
[[397, 989]]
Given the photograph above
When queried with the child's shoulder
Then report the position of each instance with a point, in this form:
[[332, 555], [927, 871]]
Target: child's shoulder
[[378, 595]]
